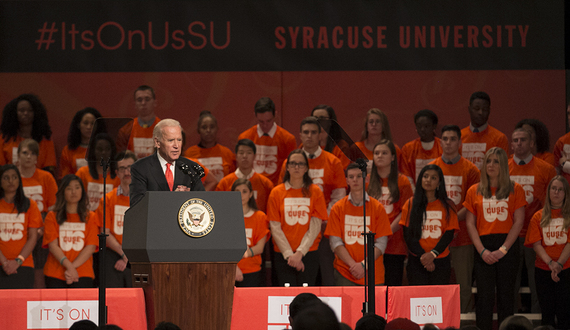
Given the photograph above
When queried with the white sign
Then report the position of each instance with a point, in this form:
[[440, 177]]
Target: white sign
[[426, 310], [278, 309], [62, 314]]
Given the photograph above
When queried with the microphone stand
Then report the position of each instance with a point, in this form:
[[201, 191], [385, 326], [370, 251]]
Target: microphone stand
[[368, 306], [103, 250]]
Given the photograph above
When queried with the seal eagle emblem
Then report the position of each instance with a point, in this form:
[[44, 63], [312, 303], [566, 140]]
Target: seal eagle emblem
[[196, 217]]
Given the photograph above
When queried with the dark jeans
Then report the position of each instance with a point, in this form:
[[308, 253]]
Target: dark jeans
[[113, 277], [553, 297], [287, 274], [418, 275], [251, 280], [56, 283], [500, 276], [394, 269], [23, 279]]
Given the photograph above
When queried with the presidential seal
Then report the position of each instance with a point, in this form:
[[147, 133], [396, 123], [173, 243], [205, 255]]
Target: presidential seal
[[196, 217]]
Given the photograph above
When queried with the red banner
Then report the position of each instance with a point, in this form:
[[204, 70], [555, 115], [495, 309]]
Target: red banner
[[268, 308], [58, 309], [436, 304]]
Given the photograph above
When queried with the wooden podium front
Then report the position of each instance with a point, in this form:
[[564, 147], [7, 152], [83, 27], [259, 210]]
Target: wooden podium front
[[187, 280]]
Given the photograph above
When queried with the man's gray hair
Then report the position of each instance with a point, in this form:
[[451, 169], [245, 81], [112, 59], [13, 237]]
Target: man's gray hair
[[158, 129]]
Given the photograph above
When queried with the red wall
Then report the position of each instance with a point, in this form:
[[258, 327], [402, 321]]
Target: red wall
[[231, 96]]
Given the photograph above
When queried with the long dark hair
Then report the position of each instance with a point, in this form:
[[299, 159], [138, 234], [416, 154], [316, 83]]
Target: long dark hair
[[10, 124], [21, 202], [375, 186], [91, 156], [74, 135], [417, 213], [251, 202], [307, 181], [60, 202]]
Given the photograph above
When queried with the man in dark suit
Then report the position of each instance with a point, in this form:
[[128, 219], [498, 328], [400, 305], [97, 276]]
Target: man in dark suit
[[164, 170]]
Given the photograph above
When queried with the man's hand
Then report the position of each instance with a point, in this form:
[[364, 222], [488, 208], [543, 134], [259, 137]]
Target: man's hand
[[182, 188]]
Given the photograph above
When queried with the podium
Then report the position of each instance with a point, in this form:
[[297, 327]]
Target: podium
[[187, 280]]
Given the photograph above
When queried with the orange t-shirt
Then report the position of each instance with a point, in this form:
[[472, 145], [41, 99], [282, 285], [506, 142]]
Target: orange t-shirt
[[345, 221], [255, 229], [139, 138], [261, 185], [553, 238], [547, 157], [475, 145], [94, 188], [494, 216], [220, 160], [41, 187], [459, 177], [326, 172], [73, 236], [116, 206], [415, 157], [72, 160], [434, 226], [9, 152], [396, 244], [562, 149], [14, 229], [344, 160], [294, 211], [534, 177], [270, 151]]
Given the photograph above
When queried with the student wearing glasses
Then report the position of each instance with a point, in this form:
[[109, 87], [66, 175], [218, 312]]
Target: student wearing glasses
[[296, 209]]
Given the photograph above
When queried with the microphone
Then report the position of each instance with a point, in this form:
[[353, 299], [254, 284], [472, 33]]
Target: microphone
[[362, 164], [196, 173]]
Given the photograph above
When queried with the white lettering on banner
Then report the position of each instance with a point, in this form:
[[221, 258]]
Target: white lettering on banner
[[248, 235], [265, 159], [386, 200], [296, 210], [215, 165], [426, 310], [474, 152], [80, 162], [62, 314], [278, 308], [36, 194], [72, 236], [119, 219], [420, 164], [353, 229], [317, 175], [12, 226], [555, 233], [494, 209], [453, 187], [527, 182], [95, 192], [143, 146]]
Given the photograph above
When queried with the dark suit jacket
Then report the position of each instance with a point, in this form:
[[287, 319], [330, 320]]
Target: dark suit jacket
[[147, 175]]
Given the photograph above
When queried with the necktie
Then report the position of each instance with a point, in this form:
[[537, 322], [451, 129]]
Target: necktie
[[475, 130], [169, 176], [312, 156], [522, 162]]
